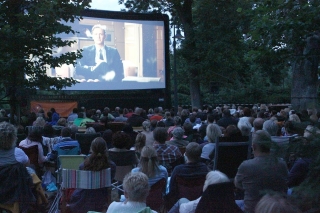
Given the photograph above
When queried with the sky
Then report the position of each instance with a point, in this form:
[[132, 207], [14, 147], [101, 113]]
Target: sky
[[106, 5]]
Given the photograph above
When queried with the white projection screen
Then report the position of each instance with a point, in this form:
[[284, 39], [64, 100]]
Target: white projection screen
[[133, 56]]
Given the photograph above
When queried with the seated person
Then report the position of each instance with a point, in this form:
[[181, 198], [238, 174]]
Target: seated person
[[222, 184], [167, 154], [136, 189], [149, 166], [275, 203], [84, 200], [213, 131], [177, 138], [193, 167]]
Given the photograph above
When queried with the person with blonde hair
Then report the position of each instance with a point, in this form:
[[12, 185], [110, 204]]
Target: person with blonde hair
[[275, 203], [149, 165], [213, 179], [146, 126], [140, 142], [213, 131], [136, 190]]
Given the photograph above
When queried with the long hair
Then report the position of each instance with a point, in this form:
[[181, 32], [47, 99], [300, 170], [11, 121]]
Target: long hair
[[98, 160], [149, 161], [140, 142]]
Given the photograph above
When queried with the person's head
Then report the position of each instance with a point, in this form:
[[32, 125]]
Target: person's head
[[213, 131], [160, 134], [66, 132], [146, 125], [193, 152], [177, 133], [258, 124], [215, 177], [226, 113], [107, 135], [261, 142], [75, 110], [161, 124], [231, 131], [90, 130], [80, 115], [177, 121], [120, 140], [245, 126], [271, 127], [136, 187], [48, 130], [275, 203], [8, 136], [311, 132], [148, 161], [35, 134], [140, 141], [188, 128], [156, 110], [98, 159], [40, 122], [98, 34], [62, 122]]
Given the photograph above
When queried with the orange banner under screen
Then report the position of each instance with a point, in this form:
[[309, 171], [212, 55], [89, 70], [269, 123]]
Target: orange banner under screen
[[63, 108]]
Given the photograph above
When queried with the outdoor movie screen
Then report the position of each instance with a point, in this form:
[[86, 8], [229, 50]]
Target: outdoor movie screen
[[119, 52]]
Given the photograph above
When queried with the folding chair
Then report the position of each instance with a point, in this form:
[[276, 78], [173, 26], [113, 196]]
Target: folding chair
[[125, 162], [85, 141], [81, 179], [33, 155], [229, 155], [155, 198]]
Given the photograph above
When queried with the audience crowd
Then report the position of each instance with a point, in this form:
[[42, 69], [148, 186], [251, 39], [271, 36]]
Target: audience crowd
[[168, 144]]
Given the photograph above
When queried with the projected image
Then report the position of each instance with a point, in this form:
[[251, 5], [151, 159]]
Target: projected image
[[117, 54]]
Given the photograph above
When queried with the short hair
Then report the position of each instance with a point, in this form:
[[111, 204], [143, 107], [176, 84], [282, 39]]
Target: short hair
[[39, 122], [66, 132], [177, 120], [156, 110], [226, 112], [271, 127], [213, 131], [75, 110], [146, 125], [35, 134], [193, 151], [90, 130], [245, 126], [262, 139], [100, 27], [275, 203], [160, 134], [120, 140], [8, 135], [214, 177], [136, 186], [178, 133], [62, 122], [295, 118], [188, 128], [258, 123]]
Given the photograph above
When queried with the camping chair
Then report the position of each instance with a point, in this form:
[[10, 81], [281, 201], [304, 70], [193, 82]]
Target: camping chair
[[125, 162], [229, 155], [81, 179], [155, 198], [33, 155], [85, 141]]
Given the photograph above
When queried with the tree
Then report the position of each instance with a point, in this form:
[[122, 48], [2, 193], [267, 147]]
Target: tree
[[28, 30], [181, 11], [291, 30]]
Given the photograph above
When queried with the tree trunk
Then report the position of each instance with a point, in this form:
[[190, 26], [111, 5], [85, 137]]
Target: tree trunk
[[304, 93], [195, 91]]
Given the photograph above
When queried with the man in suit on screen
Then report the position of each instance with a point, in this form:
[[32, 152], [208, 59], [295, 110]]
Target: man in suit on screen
[[99, 62]]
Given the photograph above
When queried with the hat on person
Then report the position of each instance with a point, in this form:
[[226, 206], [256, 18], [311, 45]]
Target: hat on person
[[178, 133]]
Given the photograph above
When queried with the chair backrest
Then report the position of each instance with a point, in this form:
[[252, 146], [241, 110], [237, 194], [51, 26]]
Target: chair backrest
[[125, 162], [82, 179], [229, 155], [71, 161], [85, 141], [218, 198], [32, 153], [190, 187], [155, 198]]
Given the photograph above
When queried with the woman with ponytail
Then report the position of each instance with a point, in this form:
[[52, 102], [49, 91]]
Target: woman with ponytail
[[84, 200], [149, 166]]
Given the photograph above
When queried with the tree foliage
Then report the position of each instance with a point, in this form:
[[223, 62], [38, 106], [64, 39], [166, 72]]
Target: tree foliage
[[28, 45]]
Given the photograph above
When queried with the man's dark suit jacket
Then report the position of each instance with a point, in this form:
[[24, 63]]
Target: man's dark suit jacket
[[88, 59]]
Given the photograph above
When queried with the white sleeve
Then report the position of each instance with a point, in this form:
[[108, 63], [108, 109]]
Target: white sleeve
[[189, 207], [21, 156]]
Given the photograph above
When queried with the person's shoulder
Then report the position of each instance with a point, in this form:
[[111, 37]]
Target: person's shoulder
[[108, 48], [90, 48]]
